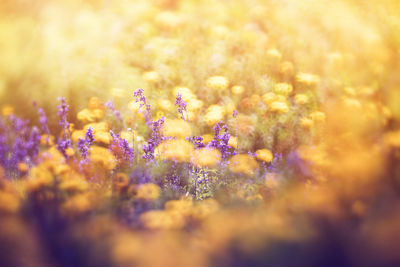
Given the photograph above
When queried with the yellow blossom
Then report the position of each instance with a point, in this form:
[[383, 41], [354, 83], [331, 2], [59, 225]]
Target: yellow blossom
[[264, 155], [283, 88], [301, 99], [176, 128], [176, 150], [237, 89], [243, 163], [279, 106], [217, 82], [206, 157], [151, 76], [148, 191]]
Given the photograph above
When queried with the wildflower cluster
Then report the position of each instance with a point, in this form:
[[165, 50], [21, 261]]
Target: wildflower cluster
[[239, 149]]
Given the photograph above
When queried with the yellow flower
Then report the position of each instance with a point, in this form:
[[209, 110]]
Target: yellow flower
[[164, 104], [279, 107], [318, 116], [148, 191], [268, 98], [265, 155], [217, 82], [286, 68], [95, 103], [102, 156], [243, 163], [47, 139], [76, 204], [207, 138], [194, 104], [176, 150], [160, 219], [301, 99], [23, 167], [306, 123], [151, 76], [237, 89], [70, 151], [177, 128], [74, 185], [182, 206], [186, 93], [307, 78], [233, 142], [117, 92], [283, 88], [214, 114], [77, 134], [274, 55], [206, 157]]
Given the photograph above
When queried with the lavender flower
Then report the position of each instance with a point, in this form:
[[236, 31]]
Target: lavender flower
[[235, 113], [155, 140], [140, 97], [220, 141], [181, 106], [197, 141], [64, 143], [120, 147], [117, 114], [84, 144]]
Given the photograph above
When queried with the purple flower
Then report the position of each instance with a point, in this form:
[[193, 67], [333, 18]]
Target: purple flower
[[220, 141], [140, 97], [181, 106], [155, 140], [197, 141], [120, 148], [84, 144], [117, 114], [235, 113], [64, 143]]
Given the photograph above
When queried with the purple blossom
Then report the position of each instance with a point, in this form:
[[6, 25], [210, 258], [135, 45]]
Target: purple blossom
[[220, 141], [140, 97], [117, 114], [181, 106], [154, 140], [120, 147], [235, 113], [64, 143], [197, 141], [84, 144]]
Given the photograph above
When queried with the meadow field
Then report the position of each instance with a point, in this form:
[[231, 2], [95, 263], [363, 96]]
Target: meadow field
[[169, 133]]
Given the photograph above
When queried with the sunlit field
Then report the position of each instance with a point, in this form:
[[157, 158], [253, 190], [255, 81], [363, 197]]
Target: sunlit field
[[177, 133]]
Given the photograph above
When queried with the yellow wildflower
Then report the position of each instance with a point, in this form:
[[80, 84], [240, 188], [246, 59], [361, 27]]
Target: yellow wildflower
[[283, 88], [148, 191], [176, 128], [217, 82], [265, 155], [206, 157], [301, 99], [176, 150], [243, 163], [237, 89], [279, 107], [151, 76]]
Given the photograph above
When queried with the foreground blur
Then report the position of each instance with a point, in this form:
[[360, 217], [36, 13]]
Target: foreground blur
[[267, 133]]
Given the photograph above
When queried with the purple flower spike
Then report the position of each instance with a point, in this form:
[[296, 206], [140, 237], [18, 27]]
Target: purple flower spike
[[181, 106], [120, 147], [64, 143], [117, 114], [140, 97], [84, 144]]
